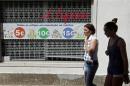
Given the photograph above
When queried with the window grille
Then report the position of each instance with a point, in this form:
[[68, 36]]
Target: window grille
[[22, 11], [55, 11], [62, 50]]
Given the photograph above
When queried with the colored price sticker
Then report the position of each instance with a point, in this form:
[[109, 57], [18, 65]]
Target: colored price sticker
[[19, 32], [68, 33], [43, 33]]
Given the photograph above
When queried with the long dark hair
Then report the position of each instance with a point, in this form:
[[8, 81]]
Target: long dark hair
[[90, 27]]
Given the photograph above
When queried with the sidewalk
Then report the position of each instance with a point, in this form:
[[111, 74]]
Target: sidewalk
[[41, 73], [42, 67], [44, 73]]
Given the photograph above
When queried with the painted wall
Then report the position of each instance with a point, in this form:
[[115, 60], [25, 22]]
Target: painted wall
[[106, 11]]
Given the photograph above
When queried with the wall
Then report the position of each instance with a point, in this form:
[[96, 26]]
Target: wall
[[103, 11], [1, 58], [107, 10]]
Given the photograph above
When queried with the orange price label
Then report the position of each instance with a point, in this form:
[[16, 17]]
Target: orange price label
[[19, 32]]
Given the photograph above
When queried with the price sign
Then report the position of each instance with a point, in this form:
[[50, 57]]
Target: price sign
[[43, 33], [68, 33], [19, 32]]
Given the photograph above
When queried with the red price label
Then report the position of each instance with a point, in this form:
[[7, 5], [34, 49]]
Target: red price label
[[19, 32]]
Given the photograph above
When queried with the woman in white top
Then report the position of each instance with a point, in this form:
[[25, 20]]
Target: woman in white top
[[90, 56]]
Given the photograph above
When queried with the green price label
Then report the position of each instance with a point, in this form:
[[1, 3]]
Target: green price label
[[43, 33]]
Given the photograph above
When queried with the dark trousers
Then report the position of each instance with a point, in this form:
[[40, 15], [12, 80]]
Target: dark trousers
[[89, 73]]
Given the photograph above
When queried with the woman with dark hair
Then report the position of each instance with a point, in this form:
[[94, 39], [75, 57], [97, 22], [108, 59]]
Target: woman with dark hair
[[90, 56], [117, 70]]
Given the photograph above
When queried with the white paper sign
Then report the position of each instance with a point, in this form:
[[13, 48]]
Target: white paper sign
[[43, 30]]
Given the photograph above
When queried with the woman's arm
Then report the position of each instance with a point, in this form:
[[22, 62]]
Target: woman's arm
[[122, 46], [93, 45]]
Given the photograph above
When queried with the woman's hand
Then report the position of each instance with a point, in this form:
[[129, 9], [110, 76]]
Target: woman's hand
[[89, 61], [107, 52], [87, 45], [126, 78]]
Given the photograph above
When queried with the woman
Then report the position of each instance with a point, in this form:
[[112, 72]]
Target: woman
[[117, 70], [90, 56]]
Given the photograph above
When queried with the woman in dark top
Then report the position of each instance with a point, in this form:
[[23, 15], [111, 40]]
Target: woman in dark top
[[117, 70]]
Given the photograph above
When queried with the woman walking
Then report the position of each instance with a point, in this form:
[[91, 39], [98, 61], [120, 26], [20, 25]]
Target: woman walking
[[90, 56], [117, 70]]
